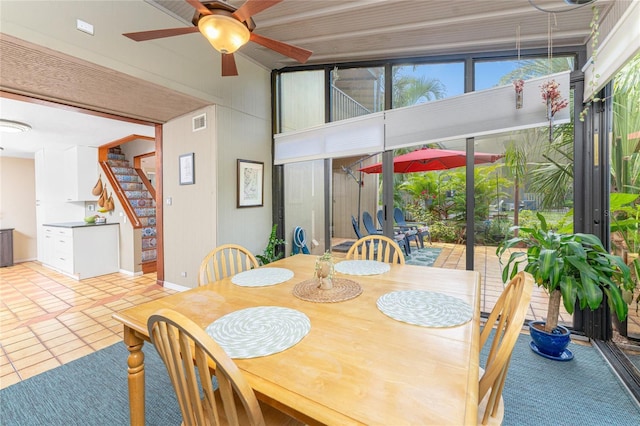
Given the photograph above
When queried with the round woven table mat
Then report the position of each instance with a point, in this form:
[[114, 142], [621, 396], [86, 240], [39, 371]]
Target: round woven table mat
[[342, 290]]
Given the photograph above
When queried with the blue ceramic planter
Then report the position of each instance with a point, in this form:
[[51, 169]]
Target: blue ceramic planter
[[551, 345]]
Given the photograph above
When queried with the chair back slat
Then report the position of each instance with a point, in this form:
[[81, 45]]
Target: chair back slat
[[376, 247], [224, 261]]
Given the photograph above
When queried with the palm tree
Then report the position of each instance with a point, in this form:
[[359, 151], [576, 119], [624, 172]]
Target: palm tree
[[554, 177], [515, 160], [532, 68], [410, 90]]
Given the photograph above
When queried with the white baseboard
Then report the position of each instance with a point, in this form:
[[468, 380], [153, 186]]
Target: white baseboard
[[176, 287], [131, 273], [31, 259]]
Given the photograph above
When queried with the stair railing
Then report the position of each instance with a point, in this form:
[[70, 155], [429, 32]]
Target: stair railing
[[126, 206], [147, 183]]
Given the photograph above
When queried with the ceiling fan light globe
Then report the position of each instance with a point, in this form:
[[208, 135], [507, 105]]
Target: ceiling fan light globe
[[10, 126], [226, 34]]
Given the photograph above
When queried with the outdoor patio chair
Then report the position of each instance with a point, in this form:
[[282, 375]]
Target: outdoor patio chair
[[356, 227], [188, 353], [223, 261], [409, 233], [421, 229], [376, 247], [367, 221], [504, 323], [380, 216], [400, 237]]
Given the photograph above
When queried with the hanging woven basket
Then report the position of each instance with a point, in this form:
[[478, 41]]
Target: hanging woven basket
[[103, 198], [109, 205], [97, 189]]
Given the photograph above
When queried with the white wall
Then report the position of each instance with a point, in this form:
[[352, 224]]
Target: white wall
[[17, 205], [204, 215]]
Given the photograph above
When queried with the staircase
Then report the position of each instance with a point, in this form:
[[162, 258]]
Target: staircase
[[141, 201]]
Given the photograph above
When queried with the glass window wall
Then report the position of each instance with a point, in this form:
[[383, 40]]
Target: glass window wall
[[414, 84], [301, 105]]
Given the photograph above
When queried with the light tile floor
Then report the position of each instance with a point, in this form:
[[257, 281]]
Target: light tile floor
[[48, 319]]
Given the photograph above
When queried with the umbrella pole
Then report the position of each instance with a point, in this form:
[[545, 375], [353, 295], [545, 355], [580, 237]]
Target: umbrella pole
[[359, 197], [348, 171]]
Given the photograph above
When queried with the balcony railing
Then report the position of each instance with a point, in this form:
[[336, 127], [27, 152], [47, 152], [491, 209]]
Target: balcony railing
[[344, 106]]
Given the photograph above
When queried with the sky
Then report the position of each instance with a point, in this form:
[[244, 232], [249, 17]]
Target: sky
[[451, 75]]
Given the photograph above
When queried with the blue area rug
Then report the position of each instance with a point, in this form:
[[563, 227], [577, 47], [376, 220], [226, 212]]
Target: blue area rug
[[423, 256], [583, 392], [93, 391]]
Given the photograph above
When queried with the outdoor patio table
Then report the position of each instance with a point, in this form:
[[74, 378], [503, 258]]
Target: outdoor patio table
[[356, 365]]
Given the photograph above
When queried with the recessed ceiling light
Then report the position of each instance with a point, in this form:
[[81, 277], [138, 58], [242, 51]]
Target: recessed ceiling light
[[10, 126]]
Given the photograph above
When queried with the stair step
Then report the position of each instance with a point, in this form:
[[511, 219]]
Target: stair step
[[124, 171], [147, 220], [149, 242], [149, 231], [115, 156], [145, 211], [128, 178], [132, 186], [137, 194], [119, 163], [150, 254], [141, 202]]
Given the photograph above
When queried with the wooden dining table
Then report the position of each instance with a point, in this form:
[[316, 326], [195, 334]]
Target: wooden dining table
[[356, 365]]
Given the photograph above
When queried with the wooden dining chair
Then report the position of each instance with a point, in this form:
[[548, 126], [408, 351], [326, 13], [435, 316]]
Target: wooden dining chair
[[504, 323], [376, 247], [189, 355], [225, 260]]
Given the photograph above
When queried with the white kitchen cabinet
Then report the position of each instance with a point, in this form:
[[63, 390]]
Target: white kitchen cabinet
[[80, 250], [81, 173], [51, 199]]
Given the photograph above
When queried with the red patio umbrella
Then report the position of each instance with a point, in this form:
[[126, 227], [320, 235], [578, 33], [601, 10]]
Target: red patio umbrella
[[426, 159]]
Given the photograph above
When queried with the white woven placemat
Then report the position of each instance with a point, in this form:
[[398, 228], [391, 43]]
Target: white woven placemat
[[259, 331], [261, 277], [425, 308], [362, 267]]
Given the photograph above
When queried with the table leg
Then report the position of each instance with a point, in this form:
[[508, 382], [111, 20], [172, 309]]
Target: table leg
[[135, 363]]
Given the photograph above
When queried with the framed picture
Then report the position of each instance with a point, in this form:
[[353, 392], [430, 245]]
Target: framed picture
[[250, 183], [187, 169]]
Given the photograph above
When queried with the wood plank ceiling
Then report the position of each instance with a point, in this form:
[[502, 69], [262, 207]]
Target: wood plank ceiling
[[339, 31]]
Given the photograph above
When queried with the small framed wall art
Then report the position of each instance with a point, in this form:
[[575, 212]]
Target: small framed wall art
[[250, 183], [187, 169]]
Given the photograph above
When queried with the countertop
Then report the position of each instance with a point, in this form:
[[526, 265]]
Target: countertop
[[77, 224]]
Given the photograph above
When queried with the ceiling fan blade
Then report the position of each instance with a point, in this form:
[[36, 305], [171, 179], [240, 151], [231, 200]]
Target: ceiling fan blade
[[153, 34], [199, 7], [299, 54], [251, 7], [229, 65]]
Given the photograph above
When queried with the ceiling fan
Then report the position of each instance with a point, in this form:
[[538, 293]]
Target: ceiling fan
[[227, 29]]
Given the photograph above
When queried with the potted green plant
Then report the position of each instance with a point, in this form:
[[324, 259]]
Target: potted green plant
[[571, 268], [271, 253]]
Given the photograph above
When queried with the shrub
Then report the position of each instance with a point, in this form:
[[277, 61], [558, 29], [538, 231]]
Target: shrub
[[443, 232], [419, 214]]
